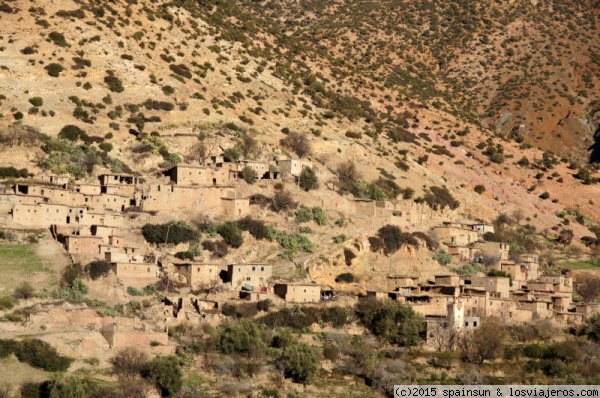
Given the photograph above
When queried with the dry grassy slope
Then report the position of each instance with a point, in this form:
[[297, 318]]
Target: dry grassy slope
[[21, 80]]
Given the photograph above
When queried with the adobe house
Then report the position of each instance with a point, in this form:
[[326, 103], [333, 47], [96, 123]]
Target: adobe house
[[197, 275], [254, 296], [83, 244], [498, 250], [454, 234], [481, 228], [364, 207], [235, 207], [119, 337], [139, 271], [192, 198], [298, 292], [186, 175], [118, 179], [459, 253], [447, 280], [87, 189], [256, 275], [46, 215], [293, 166], [497, 286], [426, 304], [403, 282], [560, 283], [264, 170]]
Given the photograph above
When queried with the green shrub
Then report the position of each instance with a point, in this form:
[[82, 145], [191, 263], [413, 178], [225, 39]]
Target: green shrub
[[106, 146], [479, 189], [442, 257], [58, 39], [166, 374], [168, 90], [257, 228], [300, 362], [283, 201], [36, 101], [7, 347], [346, 277], [392, 238], [72, 133], [174, 232], [242, 336], [11, 172], [7, 303], [54, 69], [439, 197], [40, 354], [231, 234], [349, 255], [394, 322], [330, 352], [545, 195], [114, 83]]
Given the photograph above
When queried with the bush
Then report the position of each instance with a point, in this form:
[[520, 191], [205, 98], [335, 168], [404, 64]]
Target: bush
[[36, 101], [58, 39], [393, 238], [395, 322], [346, 277], [239, 337], [187, 255], [173, 232], [300, 362], [40, 354], [249, 175], [129, 363], [72, 133], [348, 256], [106, 146], [442, 257], [23, 291], [168, 90], [97, 269], [257, 228], [114, 83], [166, 374], [7, 303], [545, 195], [479, 189], [264, 305], [54, 69], [330, 352], [440, 197], [231, 234], [7, 347], [11, 172], [308, 179]]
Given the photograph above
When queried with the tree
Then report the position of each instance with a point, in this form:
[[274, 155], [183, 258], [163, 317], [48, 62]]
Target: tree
[[298, 143], [282, 201], [205, 148], [300, 362], [129, 363], [249, 175], [348, 176], [248, 145], [486, 343], [166, 374], [393, 238], [24, 291], [308, 179], [69, 387], [232, 154], [565, 237], [97, 269], [588, 288]]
